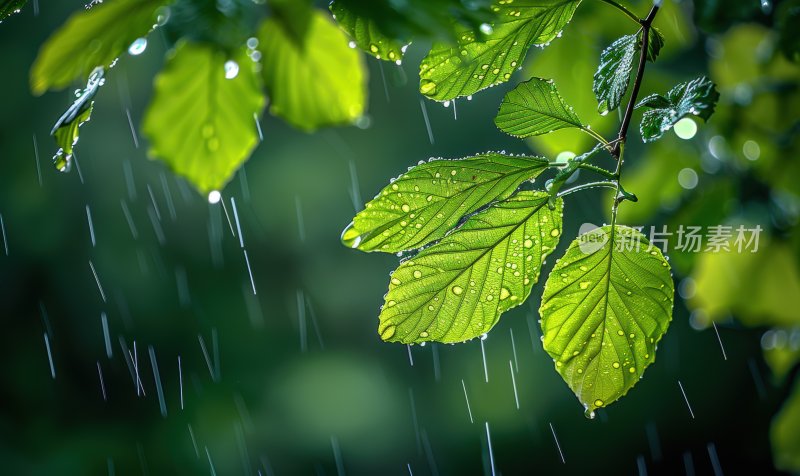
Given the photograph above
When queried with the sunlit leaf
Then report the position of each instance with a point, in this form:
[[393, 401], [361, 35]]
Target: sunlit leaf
[[366, 34], [605, 306], [760, 287], [488, 57], [456, 289], [614, 73], [65, 131], [423, 204], [10, 7], [781, 351], [295, 17], [200, 122], [92, 38], [785, 434], [533, 108], [322, 83], [697, 97]]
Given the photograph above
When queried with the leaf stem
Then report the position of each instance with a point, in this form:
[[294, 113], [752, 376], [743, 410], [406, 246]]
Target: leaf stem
[[598, 170], [619, 145], [624, 10], [587, 186], [597, 137]]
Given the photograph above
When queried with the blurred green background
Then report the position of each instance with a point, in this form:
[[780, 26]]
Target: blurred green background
[[294, 379]]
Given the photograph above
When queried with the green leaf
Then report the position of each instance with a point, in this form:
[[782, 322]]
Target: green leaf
[[614, 73], [199, 122], [697, 97], [605, 306], [654, 44], [785, 434], [426, 202], [788, 15], [10, 7], [481, 60], [65, 131], [366, 34], [533, 108], [323, 83], [456, 289], [91, 38], [295, 16]]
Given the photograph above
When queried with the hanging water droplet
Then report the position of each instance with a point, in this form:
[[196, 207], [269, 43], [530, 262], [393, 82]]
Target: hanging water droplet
[[214, 196], [231, 69], [138, 46]]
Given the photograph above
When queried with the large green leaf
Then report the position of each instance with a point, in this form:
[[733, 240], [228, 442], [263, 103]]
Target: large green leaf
[[10, 7], [319, 83], [614, 73], [366, 34], [456, 289], [66, 129], [534, 108], [200, 122], [423, 204], [483, 59], [785, 434], [605, 306], [92, 38], [697, 97]]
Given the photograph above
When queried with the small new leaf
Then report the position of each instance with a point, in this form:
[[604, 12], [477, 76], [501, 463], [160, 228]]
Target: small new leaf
[[533, 108], [10, 7], [91, 38], [614, 73], [200, 122], [697, 97], [654, 44], [430, 199], [366, 34], [66, 129], [457, 289], [319, 84], [605, 306], [482, 59]]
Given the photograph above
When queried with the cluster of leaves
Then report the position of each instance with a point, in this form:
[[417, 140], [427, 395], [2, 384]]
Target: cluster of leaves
[[225, 59], [477, 233]]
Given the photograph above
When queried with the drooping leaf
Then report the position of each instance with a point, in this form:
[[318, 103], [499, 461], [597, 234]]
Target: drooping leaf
[[320, 84], [533, 108], [426, 202], [654, 44], [697, 97], [456, 289], [65, 131], [366, 34], [614, 73], [295, 16], [489, 57], [605, 306], [10, 7], [785, 434], [92, 38], [200, 122]]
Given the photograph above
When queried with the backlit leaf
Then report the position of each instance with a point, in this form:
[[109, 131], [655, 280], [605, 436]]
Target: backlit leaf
[[322, 83], [785, 434], [92, 38], [457, 289], [200, 122], [366, 35], [605, 306], [488, 57], [534, 108], [614, 73], [426, 202], [697, 97]]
